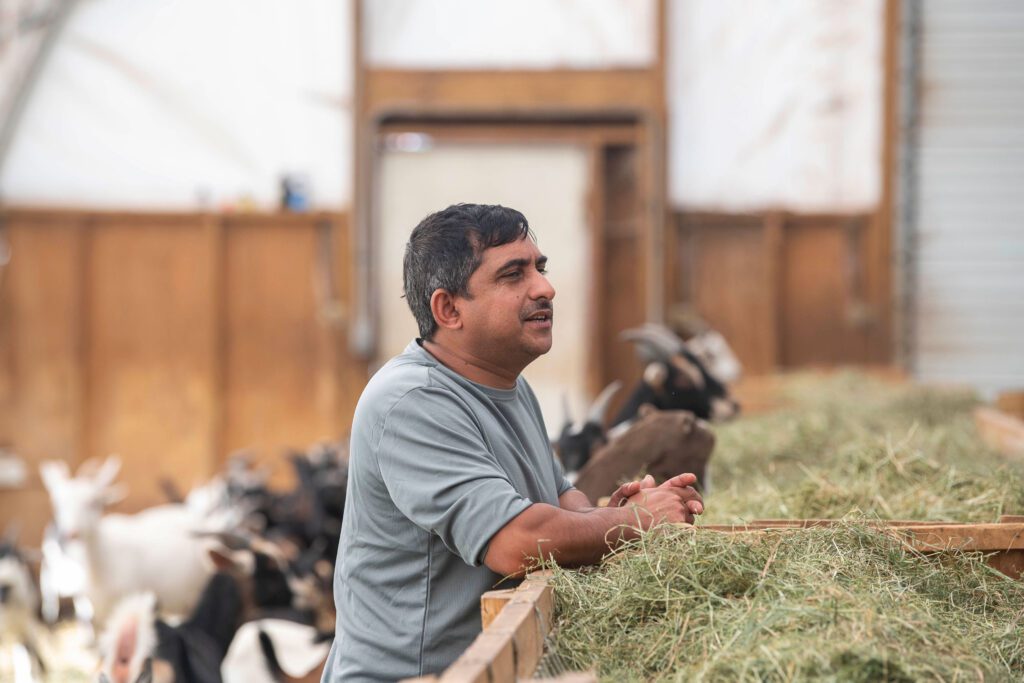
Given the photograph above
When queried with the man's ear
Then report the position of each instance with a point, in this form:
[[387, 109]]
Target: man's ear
[[446, 312]]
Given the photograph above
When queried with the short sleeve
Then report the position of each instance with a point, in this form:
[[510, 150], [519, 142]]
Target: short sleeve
[[440, 474]]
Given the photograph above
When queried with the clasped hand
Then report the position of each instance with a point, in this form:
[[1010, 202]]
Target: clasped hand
[[674, 501]]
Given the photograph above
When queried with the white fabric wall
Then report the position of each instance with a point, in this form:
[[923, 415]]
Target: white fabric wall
[[509, 34], [775, 104], [968, 239], [412, 185], [189, 104]]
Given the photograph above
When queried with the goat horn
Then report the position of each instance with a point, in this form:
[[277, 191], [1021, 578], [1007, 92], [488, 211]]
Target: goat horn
[[646, 339], [231, 540], [599, 407]]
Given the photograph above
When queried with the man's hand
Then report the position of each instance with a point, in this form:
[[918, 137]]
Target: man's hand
[[674, 501], [632, 488], [694, 501]]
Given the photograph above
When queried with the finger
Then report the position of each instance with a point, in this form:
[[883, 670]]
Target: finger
[[685, 479], [647, 482], [691, 493], [695, 507], [624, 492]]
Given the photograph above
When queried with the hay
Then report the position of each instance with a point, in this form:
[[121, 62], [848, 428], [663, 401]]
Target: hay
[[850, 443], [844, 603]]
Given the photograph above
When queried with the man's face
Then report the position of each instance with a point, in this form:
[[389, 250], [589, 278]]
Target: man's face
[[508, 320]]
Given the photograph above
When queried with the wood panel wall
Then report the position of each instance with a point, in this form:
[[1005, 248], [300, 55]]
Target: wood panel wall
[[786, 290], [171, 340]]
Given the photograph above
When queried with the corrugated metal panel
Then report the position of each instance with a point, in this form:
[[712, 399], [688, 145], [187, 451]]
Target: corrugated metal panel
[[968, 247]]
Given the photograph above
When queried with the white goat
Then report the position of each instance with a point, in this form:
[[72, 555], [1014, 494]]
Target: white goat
[[154, 550]]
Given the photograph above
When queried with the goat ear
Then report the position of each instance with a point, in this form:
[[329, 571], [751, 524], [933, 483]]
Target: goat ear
[[108, 471], [53, 472], [219, 558], [114, 494], [88, 469]]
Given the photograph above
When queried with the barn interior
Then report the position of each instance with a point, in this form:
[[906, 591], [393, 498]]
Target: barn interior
[[203, 207]]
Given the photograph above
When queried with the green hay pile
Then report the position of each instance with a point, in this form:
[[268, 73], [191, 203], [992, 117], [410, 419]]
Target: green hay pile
[[835, 604], [849, 443]]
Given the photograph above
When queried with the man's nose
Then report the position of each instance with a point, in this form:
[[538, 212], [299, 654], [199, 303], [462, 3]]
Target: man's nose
[[542, 288]]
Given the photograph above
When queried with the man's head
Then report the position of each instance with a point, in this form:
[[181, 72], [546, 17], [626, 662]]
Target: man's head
[[473, 272]]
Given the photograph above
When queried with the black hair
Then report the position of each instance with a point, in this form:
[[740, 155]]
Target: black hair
[[447, 247]]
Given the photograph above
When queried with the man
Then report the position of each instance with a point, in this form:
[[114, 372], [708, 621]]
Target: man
[[452, 483]]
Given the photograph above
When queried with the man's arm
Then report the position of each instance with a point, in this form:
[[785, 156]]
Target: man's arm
[[575, 538], [575, 500]]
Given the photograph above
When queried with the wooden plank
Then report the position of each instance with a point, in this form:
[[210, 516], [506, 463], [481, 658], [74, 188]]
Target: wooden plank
[[774, 255], [512, 642], [1004, 433], [595, 132], [40, 318], [965, 537], [723, 269], [491, 604], [511, 91], [1011, 403], [151, 359], [878, 251], [281, 387], [621, 258], [822, 293]]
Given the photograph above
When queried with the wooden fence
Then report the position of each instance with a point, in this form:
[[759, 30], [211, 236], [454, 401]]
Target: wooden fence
[[172, 340]]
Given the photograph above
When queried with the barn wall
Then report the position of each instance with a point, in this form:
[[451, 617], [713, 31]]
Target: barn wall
[[527, 34], [778, 172], [787, 290], [188, 105], [966, 246], [171, 340], [775, 105]]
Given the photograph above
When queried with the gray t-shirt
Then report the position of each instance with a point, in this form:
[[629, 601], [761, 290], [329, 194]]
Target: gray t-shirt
[[438, 464]]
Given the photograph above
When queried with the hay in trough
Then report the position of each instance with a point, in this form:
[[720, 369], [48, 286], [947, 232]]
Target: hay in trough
[[843, 603]]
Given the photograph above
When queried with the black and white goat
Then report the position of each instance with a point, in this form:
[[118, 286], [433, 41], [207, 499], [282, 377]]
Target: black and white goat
[[139, 646], [577, 442], [20, 630], [674, 378]]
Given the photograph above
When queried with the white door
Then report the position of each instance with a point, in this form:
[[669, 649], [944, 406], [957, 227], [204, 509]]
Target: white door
[[548, 184]]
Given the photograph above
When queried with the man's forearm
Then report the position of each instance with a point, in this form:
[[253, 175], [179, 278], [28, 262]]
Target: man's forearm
[[571, 538]]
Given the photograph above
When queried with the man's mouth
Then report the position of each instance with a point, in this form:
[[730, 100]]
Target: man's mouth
[[540, 317]]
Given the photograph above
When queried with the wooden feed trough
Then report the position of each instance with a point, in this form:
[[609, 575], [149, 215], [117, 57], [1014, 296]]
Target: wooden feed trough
[[1003, 432], [517, 621]]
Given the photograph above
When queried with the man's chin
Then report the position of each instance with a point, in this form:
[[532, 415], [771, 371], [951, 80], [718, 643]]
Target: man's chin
[[541, 346]]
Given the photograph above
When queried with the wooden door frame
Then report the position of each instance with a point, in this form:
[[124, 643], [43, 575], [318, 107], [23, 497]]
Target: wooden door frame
[[594, 136], [538, 100]]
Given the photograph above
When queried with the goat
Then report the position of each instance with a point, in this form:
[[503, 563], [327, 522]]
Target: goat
[[575, 444], [19, 627], [276, 651], [153, 550], [139, 646], [673, 379]]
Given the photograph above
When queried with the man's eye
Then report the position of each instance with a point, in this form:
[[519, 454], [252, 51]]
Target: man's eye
[[543, 271], [512, 275]]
